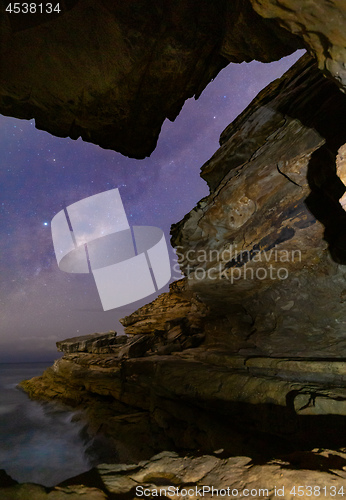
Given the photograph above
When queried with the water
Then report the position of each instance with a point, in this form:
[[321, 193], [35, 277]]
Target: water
[[38, 442]]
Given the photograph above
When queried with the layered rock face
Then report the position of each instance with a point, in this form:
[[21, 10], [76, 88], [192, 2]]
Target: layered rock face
[[268, 245], [254, 335], [94, 343]]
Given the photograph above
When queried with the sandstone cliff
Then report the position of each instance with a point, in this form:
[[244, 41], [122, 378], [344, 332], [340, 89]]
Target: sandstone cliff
[[254, 334], [272, 230]]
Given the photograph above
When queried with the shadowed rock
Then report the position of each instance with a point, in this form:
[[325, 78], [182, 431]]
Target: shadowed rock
[[112, 72]]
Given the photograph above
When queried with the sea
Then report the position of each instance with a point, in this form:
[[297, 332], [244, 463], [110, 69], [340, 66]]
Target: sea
[[39, 442]]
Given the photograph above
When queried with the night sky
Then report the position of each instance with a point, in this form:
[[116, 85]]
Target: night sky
[[42, 174]]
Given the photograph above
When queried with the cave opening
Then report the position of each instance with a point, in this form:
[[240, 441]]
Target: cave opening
[[240, 366]]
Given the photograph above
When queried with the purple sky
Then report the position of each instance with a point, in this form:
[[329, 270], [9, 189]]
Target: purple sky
[[41, 174]]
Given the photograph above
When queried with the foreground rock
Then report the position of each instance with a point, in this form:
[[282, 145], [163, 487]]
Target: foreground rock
[[322, 473]]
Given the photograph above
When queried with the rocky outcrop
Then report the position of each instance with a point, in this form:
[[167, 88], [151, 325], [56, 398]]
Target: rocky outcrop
[[174, 320], [175, 476], [95, 343], [168, 475], [154, 316], [195, 388]]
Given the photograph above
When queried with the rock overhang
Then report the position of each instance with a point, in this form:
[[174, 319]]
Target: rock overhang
[[112, 72]]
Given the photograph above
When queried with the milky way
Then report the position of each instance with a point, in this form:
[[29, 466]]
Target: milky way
[[41, 174]]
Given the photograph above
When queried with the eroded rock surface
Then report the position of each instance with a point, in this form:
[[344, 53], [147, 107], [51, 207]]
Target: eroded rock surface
[[320, 24], [272, 231], [168, 475], [236, 475], [174, 320]]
